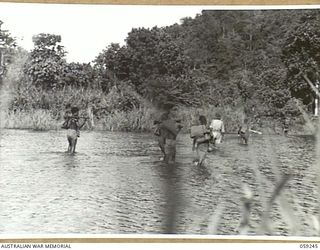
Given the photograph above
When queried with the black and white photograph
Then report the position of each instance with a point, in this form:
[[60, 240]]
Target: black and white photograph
[[159, 120]]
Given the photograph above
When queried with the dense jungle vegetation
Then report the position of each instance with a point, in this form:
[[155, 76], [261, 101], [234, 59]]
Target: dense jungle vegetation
[[260, 63]]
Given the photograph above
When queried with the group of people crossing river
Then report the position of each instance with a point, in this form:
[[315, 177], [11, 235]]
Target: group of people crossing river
[[204, 135]]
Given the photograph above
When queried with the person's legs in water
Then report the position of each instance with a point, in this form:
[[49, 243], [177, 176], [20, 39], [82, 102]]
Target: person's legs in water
[[161, 143], [202, 153], [214, 137], [74, 146], [241, 135], [197, 159], [160, 138], [201, 148], [195, 151], [72, 139], [69, 144], [218, 138], [211, 143], [170, 151], [244, 137], [211, 146]]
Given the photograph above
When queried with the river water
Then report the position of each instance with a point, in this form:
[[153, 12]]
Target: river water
[[115, 183]]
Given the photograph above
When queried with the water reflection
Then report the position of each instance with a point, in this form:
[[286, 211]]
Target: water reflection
[[70, 160], [171, 188]]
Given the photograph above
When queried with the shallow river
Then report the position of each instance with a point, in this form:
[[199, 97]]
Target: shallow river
[[115, 183]]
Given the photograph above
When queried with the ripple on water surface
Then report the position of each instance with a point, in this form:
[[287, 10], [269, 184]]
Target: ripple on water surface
[[115, 183]]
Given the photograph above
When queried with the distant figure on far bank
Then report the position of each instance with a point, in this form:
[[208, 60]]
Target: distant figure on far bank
[[286, 124], [73, 127], [90, 117], [244, 132], [217, 130], [167, 131], [201, 137]]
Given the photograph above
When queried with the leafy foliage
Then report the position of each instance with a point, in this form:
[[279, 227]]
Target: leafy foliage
[[254, 63], [6, 40], [147, 55], [7, 49], [46, 64], [78, 75], [301, 55]]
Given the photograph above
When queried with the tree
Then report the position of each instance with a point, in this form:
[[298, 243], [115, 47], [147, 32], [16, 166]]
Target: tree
[[78, 75], [6, 40], [148, 54], [173, 91], [153, 53], [111, 65], [301, 54], [46, 64], [222, 58], [7, 46]]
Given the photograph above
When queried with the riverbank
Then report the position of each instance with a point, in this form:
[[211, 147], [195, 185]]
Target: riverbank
[[141, 120], [135, 120]]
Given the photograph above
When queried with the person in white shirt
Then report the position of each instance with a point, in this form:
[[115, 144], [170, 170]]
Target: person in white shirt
[[217, 129]]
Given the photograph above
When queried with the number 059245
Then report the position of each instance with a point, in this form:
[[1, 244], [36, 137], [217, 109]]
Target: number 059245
[[309, 245]]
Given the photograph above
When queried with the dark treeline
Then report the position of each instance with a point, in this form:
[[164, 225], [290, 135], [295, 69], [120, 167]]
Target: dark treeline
[[261, 63]]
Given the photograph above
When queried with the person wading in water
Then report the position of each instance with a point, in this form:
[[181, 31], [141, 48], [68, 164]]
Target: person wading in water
[[201, 137], [217, 129], [73, 127], [167, 131]]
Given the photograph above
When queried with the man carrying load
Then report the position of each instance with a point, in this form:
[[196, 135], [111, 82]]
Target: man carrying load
[[167, 131]]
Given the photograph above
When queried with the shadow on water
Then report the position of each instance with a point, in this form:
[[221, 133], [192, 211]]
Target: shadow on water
[[203, 172], [170, 189], [70, 160], [172, 197]]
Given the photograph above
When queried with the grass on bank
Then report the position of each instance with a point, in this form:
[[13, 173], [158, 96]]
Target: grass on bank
[[37, 120], [136, 120], [140, 120]]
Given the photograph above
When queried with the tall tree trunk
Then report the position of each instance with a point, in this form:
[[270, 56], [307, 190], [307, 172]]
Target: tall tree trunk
[[313, 87]]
